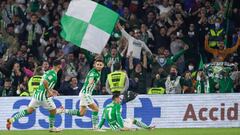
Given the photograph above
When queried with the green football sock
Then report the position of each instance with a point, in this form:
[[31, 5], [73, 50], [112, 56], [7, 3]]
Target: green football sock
[[51, 120], [73, 112], [94, 119], [140, 124], [19, 115]]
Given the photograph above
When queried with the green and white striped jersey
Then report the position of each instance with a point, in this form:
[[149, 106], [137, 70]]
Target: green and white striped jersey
[[94, 75], [41, 93]]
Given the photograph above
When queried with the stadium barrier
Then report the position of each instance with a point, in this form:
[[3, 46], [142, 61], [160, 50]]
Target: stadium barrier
[[164, 111]]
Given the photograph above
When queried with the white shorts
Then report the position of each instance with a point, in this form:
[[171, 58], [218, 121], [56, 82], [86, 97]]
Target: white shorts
[[128, 123], [47, 104], [86, 99]]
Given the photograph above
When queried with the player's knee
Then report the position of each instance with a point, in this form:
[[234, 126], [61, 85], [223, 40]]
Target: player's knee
[[82, 112], [96, 109], [53, 111]]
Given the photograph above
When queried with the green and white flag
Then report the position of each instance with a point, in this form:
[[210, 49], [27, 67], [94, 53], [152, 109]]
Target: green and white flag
[[88, 25]]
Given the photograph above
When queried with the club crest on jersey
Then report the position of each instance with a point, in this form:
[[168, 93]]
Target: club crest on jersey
[[50, 77]]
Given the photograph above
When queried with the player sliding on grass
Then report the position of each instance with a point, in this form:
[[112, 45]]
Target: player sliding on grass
[[86, 99], [112, 113], [42, 97]]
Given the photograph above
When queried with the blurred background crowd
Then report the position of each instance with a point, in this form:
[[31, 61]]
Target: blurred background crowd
[[194, 45]]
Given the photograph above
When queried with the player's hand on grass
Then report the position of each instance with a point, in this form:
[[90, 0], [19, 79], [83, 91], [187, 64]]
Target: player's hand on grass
[[128, 129]]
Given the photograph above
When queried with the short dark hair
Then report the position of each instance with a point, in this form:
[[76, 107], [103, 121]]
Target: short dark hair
[[115, 96], [38, 71], [114, 48], [117, 66], [10, 25], [72, 78], [7, 80], [174, 66], [34, 15], [56, 62], [98, 60]]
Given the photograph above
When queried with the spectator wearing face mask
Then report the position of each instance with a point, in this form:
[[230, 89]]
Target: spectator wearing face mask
[[165, 62], [216, 33], [174, 83], [192, 70]]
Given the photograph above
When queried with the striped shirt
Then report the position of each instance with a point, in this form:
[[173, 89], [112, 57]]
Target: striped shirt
[[88, 87], [51, 77]]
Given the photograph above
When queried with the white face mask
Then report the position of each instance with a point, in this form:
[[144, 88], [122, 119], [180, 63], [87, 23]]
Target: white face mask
[[190, 68], [18, 92], [217, 25], [16, 30]]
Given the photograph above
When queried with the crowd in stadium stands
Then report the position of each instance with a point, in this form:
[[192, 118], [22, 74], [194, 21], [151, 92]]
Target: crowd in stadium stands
[[181, 34]]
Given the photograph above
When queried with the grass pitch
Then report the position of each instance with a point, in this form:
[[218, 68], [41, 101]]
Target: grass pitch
[[166, 131]]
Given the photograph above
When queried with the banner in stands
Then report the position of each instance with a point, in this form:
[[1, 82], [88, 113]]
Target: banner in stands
[[164, 111]]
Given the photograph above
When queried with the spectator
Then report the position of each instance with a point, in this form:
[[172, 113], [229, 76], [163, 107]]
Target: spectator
[[174, 83], [10, 39], [188, 83], [165, 62], [161, 39], [7, 90], [164, 8], [69, 87], [33, 30], [138, 74], [225, 84], [83, 68], [45, 66], [201, 84], [22, 89], [217, 33], [160, 78], [134, 44], [71, 68], [8, 12], [176, 45], [192, 39], [192, 70], [204, 83], [113, 57], [17, 75], [221, 53]]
